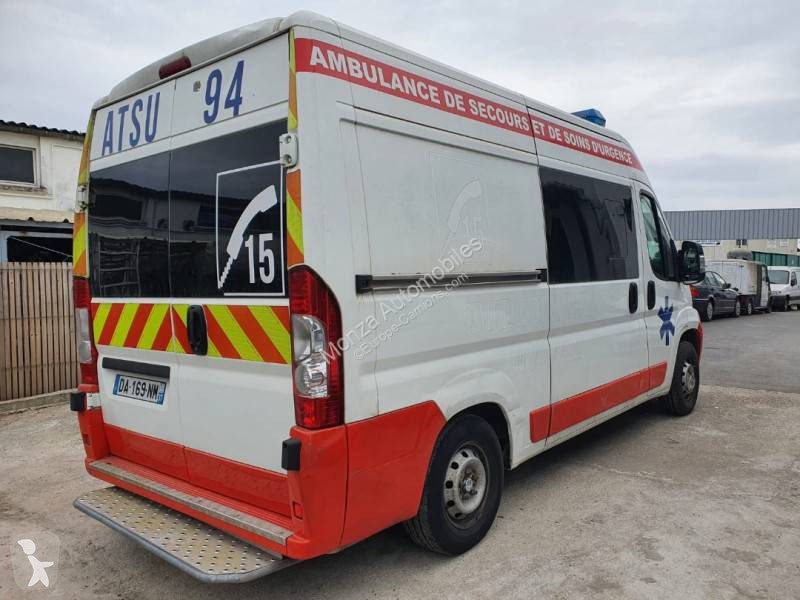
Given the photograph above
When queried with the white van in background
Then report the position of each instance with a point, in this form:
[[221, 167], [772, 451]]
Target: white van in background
[[748, 278], [326, 285], [785, 283]]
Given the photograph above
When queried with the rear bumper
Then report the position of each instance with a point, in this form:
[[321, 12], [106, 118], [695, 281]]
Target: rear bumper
[[353, 481]]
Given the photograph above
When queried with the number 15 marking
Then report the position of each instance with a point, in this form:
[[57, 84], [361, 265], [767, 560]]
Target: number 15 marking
[[233, 99]]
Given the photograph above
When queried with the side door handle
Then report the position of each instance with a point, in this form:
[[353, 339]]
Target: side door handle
[[196, 330], [651, 294], [633, 297]]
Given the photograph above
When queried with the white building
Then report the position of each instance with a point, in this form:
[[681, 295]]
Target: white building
[[38, 176]]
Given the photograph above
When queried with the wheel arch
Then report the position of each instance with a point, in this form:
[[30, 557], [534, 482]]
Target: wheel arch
[[493, 413]]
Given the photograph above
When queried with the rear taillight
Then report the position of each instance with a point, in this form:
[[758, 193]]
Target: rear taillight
[[694, 291], [317, 361], [87, 353]]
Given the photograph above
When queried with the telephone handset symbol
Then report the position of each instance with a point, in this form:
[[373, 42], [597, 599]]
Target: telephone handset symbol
[[263, 201]]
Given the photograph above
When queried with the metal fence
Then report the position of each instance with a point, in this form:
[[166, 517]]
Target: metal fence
[[37, 329], [773, 259]]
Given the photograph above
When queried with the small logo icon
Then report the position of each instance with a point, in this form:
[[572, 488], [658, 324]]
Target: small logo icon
[[665, 314], [38, 566]]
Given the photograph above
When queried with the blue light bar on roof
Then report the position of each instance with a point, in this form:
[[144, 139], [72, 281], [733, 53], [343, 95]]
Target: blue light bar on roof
[[593, 115]]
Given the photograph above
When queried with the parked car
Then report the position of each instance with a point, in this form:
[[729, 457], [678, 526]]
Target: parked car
[[748, 278], [714, 296], [785, 285]]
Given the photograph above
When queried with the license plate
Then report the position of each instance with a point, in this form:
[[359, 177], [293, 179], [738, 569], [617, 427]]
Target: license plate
[[138, 388]]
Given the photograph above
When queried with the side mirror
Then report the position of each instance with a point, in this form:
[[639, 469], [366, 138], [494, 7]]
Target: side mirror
[[726, 286], [692, 263]]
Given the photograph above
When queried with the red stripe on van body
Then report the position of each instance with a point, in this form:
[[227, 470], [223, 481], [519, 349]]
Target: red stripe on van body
[[111, 324], [540, 423], [256, 334], [582, 142], [181, 334], [218, 338], [164, 335], [253, 485], [137, 325], [314, 56], [160, 455], [571, 411]]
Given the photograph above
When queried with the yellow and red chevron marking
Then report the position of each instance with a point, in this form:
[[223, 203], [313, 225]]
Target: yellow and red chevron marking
[[79, 266], [294, 220], [258, 333], [132, 325]]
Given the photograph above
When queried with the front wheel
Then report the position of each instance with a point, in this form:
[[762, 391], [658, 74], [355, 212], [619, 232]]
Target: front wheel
[[737, 309], [682, 396], [785, 306], [462, 489]]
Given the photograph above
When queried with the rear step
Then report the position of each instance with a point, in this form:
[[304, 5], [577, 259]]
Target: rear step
[[227, 514], [198, 549]]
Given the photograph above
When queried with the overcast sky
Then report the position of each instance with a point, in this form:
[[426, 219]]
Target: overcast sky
[[708, 93]]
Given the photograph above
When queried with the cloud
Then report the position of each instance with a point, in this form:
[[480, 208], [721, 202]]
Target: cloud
[[707, 93]]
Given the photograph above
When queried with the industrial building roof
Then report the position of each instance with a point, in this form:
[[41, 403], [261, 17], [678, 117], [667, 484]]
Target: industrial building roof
[[750, 224]]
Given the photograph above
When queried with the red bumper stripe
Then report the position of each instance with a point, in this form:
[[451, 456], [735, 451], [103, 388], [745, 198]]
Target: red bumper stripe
[[561, 415]]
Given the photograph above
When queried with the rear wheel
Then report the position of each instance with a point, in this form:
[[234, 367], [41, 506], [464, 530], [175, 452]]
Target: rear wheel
[[682, 396], [462, 489], [749, 308], [708, 313]]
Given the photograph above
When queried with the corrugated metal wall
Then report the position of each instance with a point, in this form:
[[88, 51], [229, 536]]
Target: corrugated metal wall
[[757, 224]]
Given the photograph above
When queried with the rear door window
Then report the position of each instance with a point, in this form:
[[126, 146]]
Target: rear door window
[[129, 229], [204, 220], [226, 216]]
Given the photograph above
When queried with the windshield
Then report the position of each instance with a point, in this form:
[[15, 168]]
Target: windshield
[[778, 276]]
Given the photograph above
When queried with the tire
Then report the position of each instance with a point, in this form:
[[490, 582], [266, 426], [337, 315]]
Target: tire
[[785, 306], [749, 308], [450, 522], [768, 308], [708, 313], [737, 310], [682, 396]]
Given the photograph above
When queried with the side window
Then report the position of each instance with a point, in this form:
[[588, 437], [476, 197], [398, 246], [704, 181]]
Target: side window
[[660, 247], [590, 228], [129, 229], [225, 225]]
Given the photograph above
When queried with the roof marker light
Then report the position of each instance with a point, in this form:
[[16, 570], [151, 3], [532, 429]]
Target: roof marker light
[[176, 66], [593, 115]]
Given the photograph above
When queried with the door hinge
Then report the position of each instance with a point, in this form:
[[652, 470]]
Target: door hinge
[[287, 148]]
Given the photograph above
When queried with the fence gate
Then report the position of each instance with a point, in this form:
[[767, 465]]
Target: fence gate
[[37, 329]]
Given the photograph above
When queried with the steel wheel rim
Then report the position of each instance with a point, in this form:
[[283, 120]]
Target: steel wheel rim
[[737, 309], [465, 484], [709, 311], [688, 379]]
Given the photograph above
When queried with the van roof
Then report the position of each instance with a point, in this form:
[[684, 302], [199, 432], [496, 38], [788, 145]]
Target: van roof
[[235, 40]]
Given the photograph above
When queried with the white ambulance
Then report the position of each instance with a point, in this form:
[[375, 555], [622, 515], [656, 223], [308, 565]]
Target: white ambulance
[[325, 285]]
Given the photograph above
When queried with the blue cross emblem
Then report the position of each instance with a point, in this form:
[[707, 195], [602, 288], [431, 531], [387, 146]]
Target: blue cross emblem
[[665, 314]]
